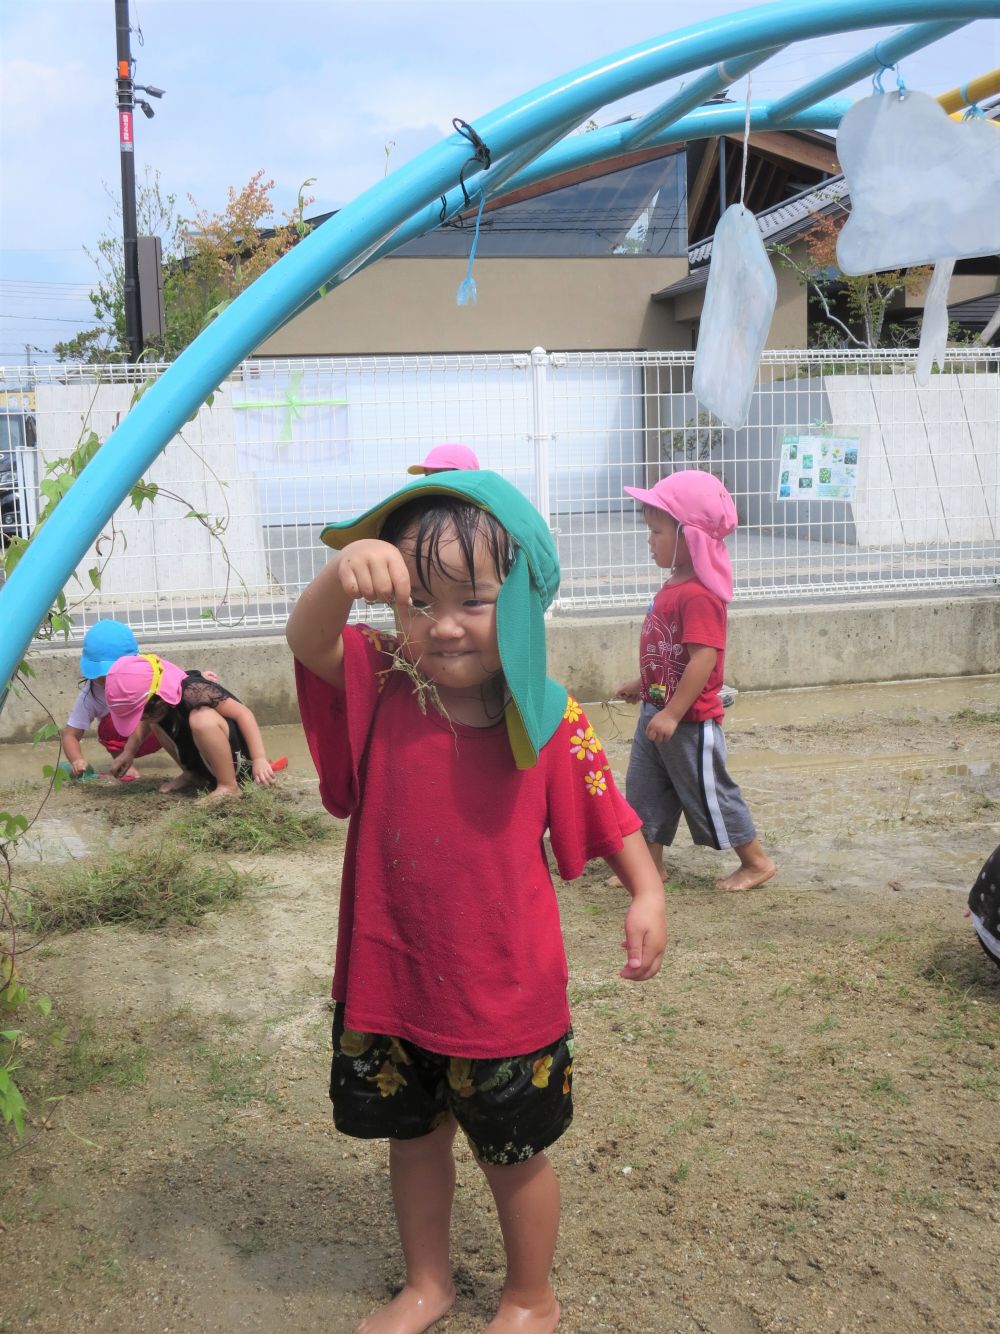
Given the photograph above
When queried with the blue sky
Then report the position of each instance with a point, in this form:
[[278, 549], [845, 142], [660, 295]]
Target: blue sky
[[300, 88]]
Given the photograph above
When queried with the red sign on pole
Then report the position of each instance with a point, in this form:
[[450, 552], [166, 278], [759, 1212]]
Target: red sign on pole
[[125, 131]]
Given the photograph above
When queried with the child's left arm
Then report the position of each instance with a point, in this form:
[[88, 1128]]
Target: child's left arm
[[645, 922], [240, 714], [701, 660]]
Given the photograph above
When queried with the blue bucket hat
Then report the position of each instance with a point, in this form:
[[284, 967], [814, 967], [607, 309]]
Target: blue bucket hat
[[537, 703], [103, 644]]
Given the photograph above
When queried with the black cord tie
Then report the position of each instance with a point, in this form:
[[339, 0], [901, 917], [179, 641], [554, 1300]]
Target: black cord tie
[[481, 157]]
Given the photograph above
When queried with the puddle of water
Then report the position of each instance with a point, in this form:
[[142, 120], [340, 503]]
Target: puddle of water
[[888, 700], [758, 708], [53, 840], [909, 765], [968, 769]]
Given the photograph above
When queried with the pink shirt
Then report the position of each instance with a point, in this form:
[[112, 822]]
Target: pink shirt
[[449, 930], [682, 614]]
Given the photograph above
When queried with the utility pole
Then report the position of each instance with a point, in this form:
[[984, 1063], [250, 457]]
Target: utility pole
[[126, 107]]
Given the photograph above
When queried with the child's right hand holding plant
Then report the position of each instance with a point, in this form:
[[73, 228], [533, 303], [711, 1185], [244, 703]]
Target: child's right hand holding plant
[[375, 571]]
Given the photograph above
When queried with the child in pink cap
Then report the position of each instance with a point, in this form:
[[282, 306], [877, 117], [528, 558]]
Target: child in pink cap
[[678, 760], [447, 458], [214, 738]]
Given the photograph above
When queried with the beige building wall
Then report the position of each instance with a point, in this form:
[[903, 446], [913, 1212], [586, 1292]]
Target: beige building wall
[[963, 287], [788, 327], [408, 305]]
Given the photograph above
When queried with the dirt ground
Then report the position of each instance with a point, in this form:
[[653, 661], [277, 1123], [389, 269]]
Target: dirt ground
[[794, 1128]]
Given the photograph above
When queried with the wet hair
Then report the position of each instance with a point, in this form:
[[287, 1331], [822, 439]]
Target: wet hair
[[429, 519]]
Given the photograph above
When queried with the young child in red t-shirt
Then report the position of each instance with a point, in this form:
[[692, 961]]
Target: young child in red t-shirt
[[453, 754], [678, 761]]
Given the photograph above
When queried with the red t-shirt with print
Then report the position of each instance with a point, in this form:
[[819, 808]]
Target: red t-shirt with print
[[449, 930], [682, 614]]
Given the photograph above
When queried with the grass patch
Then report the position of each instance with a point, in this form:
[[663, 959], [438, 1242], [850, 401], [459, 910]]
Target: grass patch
[[931, 1199], [696, 1081], [94, 1058], [580, 992], [970, 715], [846, 1141], [236, 1078], [803, 1201], [147, 886], [883, 1087], [691, 882], [262, 821]]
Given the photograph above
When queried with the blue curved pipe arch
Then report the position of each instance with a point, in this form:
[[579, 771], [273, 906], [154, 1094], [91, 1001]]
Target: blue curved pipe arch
[[525, 131]]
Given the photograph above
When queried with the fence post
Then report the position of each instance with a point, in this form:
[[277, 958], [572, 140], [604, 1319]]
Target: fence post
[[540, 436]]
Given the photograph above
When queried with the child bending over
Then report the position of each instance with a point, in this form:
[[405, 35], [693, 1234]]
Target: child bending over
[[103, 644], [453, 753], [678, 761], [211, 735]]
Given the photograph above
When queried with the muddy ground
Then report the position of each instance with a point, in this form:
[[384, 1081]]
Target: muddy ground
[[794, 1128]]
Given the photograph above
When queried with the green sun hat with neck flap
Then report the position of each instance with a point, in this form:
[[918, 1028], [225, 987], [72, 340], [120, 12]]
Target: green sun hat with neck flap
[[537, 703]]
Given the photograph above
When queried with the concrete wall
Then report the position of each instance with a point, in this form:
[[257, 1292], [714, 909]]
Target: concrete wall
[[771, 648], [158, 549], [408, 306]]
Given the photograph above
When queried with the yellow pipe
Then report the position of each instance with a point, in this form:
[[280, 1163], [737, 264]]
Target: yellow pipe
[[958, 100]]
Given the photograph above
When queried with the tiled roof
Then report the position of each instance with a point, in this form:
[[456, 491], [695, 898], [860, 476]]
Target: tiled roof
[[977, 312], [779, 223]]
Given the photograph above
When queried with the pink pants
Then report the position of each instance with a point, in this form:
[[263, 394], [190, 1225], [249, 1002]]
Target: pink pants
[[114, 743]]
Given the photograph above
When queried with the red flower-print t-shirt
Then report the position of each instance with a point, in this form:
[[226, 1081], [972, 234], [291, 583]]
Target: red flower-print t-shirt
[[682, 614], [449, 929]]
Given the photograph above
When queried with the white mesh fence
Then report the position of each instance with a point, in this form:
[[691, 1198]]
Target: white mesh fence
[[848, 478]]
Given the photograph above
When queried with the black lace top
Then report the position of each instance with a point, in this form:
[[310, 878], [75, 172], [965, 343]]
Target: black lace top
[[196, 693]]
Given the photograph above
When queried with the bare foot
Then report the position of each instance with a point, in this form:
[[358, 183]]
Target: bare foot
[[748, 877], [181, 783], [410, 1312], [221, 793], [511, 1319]]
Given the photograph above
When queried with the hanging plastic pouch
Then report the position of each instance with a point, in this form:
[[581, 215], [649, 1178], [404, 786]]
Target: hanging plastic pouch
[[923, 186], [739, 303], [934, 327]]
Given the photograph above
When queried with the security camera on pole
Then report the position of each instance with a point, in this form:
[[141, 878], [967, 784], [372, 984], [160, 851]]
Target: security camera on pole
[[134, 306]]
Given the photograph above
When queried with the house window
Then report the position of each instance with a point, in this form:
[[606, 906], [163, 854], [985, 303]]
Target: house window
[[637, 211]]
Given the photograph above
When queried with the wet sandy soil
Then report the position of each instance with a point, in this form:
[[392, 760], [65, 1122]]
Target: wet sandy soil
[[794, 1128]]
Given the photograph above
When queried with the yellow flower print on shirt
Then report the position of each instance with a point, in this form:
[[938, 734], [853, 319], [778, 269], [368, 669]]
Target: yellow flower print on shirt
[[388, 1079], [597, 784], [378, 641], [573, 710], [566, 1074], [542, 1069], [584, 744]]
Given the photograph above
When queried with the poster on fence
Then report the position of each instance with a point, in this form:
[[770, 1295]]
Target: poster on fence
[[818, 467]]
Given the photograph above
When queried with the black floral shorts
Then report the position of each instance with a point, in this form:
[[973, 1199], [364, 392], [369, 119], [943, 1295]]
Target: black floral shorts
[[510, 1109]]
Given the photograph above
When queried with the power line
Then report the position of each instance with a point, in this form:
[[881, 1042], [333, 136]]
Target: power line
[[39, 319], [48, 289]]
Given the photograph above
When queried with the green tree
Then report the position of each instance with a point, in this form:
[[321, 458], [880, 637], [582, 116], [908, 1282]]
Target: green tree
[[207, 260], [156, 215], [854, 309]]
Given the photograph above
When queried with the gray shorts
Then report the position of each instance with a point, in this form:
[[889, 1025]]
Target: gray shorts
[[686, 775]]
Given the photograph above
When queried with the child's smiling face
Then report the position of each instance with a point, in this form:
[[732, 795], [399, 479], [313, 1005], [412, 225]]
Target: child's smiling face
[[450, 631]]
